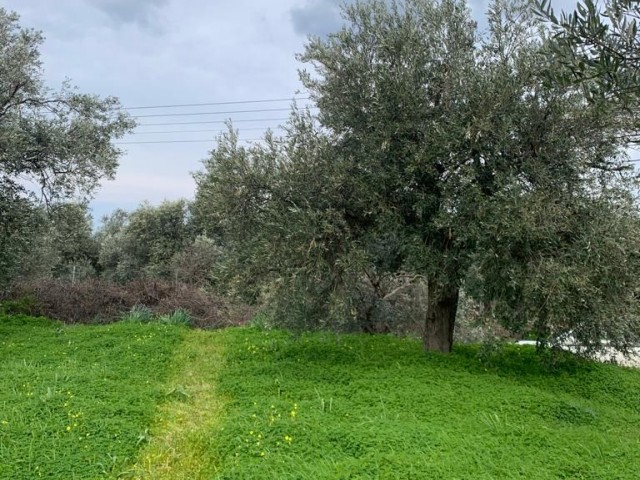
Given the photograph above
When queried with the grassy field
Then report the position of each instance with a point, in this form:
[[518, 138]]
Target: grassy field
[[76, 402], [153, 401]]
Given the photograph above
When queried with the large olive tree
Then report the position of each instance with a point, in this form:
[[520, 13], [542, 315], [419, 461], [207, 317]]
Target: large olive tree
[[439, 155]]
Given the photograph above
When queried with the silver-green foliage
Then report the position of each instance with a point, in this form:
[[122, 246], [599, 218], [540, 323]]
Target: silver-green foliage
[[57, 141], [441, 154], [600, 45], [145, 241]]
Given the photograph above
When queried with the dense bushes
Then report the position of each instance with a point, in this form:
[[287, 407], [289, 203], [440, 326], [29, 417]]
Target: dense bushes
[[395, 310], [101, 301]]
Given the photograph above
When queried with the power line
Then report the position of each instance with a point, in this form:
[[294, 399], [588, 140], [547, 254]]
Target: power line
[[238, 102], [166, 141], [199, 131], [216, 121], [212, 113], [182, 141]]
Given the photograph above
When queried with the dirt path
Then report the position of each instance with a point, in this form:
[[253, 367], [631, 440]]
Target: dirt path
[[181, 433]]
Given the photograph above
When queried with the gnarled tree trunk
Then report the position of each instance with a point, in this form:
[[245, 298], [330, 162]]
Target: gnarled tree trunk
[[442, 306]]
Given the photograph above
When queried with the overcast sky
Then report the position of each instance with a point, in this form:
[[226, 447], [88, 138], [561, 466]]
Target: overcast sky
[[163, 52]]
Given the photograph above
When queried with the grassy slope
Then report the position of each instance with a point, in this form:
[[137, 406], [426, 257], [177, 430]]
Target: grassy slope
[[75, 401], [376, 407]]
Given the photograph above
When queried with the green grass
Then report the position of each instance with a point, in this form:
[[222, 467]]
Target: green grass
[[76, 401], [154, 401], [327, 407], [181, 436]]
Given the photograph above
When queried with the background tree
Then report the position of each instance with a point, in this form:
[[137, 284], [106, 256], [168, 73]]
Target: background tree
[[53, 144], [195, 263], [144, 242], [112, 260], [21, 232], [434, 157], [73, 241], [61, 245]]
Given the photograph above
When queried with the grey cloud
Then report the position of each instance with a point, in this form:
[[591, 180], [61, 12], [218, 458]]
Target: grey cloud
[[140, 12], [321, 17], [317, 17]]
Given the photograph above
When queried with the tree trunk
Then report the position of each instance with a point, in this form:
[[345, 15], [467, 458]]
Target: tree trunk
[[442, 306]]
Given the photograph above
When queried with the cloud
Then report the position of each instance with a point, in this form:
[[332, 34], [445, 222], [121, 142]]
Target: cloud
[[139, 12], [317, 17], [321, 17]]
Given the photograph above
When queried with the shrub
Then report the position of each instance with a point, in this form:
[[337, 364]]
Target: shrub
[[23, 306], [100, 301], [89, 301]]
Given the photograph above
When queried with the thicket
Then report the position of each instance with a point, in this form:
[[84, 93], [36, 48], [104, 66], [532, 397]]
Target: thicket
[[97, 300]]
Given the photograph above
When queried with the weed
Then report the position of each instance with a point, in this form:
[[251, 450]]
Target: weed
[[262, 321], [178, 317], [379, 407], [139, 313], [78, 402]]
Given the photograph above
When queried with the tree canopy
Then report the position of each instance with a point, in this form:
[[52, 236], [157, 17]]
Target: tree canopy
[[437, 154], [54, 144], [143, 242]]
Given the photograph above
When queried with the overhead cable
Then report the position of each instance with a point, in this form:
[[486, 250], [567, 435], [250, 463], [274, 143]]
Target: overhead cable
[[216, 121], [213, 140], [189, 114], [207, 104], [201, 131]]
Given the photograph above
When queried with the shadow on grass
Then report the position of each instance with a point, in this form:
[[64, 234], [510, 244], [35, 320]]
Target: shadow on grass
[[556, 372], [522, 361]]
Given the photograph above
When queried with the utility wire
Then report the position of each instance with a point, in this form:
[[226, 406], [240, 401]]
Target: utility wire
[[239, 102], [212, 113], [183, 141], [200, 131], [215, 121]]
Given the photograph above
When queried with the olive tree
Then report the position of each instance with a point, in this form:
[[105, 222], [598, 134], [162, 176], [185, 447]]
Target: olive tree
[[143, 242], [54, 144], [61, 245], [441, 156]]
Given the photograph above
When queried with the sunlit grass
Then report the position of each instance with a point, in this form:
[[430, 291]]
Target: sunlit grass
[[157, 401], [76, 401], [327, 407], [181, 435]]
